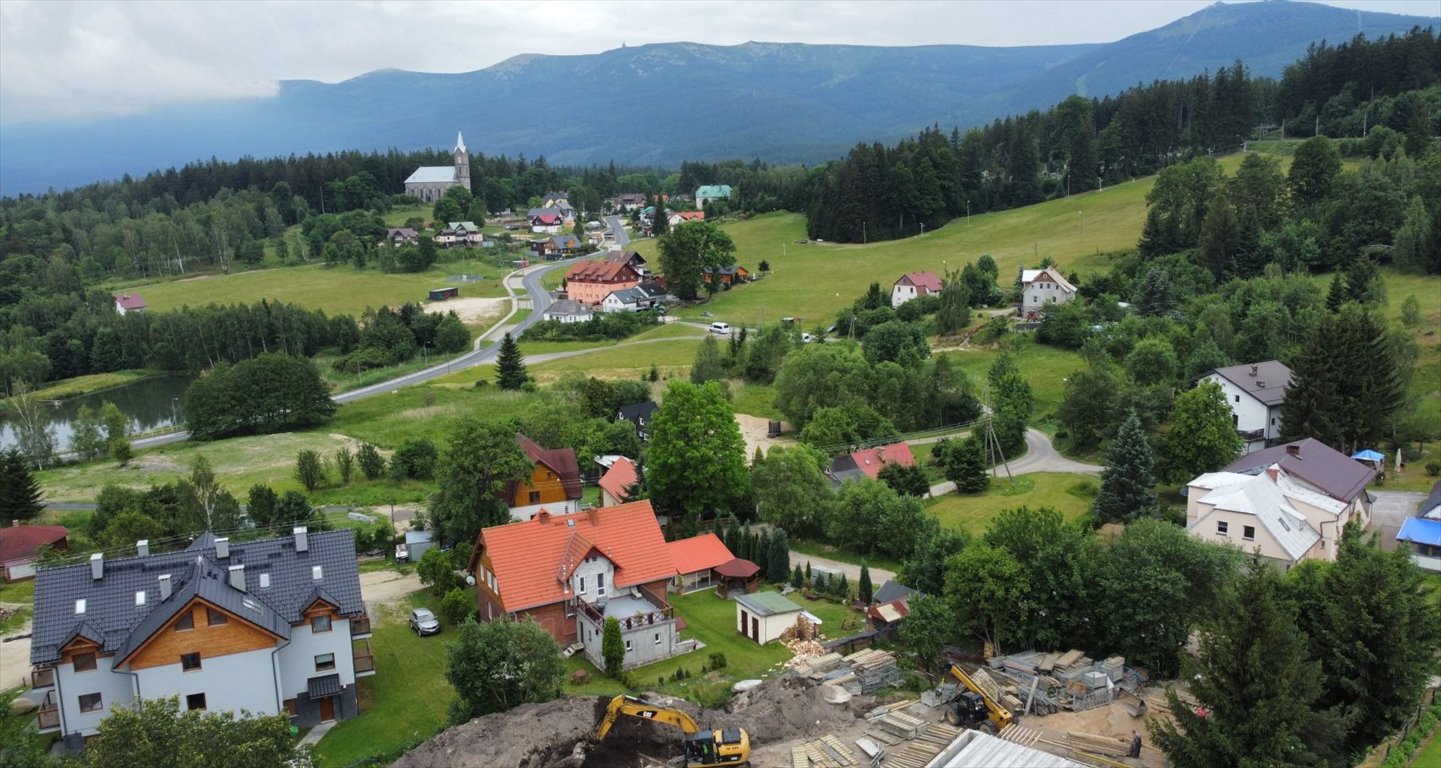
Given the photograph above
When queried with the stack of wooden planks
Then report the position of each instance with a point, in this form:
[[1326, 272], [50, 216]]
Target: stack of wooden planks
[[825, 752], [922, 749]]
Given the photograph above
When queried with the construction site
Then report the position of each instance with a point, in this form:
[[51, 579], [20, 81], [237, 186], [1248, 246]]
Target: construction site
[[825, 710]]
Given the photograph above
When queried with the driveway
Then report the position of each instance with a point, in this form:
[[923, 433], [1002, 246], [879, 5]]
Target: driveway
[[879, 576], [1040, 456], [1389, 511], [15, 658]]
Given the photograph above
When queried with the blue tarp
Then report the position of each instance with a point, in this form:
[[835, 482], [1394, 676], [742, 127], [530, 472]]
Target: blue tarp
[[1369, 455], [1421, 531]]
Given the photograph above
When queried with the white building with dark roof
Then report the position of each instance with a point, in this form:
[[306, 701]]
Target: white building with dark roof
[[269, 626], [429, 182], [1272, 513], [1254, 392]]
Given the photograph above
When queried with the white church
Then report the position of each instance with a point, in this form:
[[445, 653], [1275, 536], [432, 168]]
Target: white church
[[429, 182]]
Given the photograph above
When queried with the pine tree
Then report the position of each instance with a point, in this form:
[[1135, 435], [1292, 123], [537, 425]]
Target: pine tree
[[780, 557], [1126, 483], [865, 591], [1335, 294], [798, 579], [20, 497], [510, 365], [1256, 684]]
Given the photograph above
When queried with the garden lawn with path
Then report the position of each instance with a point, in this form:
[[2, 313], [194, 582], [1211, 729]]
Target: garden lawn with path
[[1071, 495]]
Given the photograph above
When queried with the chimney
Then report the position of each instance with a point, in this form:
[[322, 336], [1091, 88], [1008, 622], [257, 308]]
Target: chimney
[[164, 587], [593, 515], [1273, 472], [222, 548], [237, 577], [142, 548], [97, 566], [542, 516], [1254, 368], [1293, 450], [301, 543]]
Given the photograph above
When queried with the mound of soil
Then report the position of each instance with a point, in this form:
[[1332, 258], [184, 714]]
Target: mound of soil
[[529, 736]]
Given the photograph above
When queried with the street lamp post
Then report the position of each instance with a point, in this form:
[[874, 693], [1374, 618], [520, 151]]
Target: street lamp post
[[174, 411]]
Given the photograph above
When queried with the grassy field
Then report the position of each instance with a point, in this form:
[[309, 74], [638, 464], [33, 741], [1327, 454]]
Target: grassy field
[[406, 700], [333, 289], [95, 382], [1045, 367], [1070, 495]]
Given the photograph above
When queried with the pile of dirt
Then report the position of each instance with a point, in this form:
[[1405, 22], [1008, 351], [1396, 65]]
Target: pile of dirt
[[529, 736], [786, 708]]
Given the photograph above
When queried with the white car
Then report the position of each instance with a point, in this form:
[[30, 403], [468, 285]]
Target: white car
[[806, 338]]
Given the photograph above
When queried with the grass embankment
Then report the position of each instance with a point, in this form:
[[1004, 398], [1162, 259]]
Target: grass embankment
[[341, 289], [94, 382], [1071, 495]]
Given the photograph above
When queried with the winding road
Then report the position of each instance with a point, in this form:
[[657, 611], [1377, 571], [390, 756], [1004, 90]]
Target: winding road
[[1040, 456]]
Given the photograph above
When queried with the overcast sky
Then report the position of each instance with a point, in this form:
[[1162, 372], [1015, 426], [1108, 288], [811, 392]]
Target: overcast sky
[[64, 59]]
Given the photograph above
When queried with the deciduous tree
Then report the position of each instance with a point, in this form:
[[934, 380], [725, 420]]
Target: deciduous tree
[[497, 665], [269, 393], [708, 365], [690, 249], [983, 583], [479, 460], [372, 464], [86, 438], [308, 469], [696, 460], [791, 489], [928, 629], [1201, 437]]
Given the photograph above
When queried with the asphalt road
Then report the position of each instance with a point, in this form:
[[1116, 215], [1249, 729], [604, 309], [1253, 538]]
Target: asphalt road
[[1040, 456], [617, 228], [1389, 511], [539, 299]]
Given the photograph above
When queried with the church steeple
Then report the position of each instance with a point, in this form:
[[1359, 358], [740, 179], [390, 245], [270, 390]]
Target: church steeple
[[461, 156]]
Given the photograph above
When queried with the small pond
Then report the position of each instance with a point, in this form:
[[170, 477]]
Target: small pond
[[150, 404]]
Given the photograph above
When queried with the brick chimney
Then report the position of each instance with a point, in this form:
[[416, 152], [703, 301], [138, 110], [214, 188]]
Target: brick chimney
[[1273, 472], [543, 516]]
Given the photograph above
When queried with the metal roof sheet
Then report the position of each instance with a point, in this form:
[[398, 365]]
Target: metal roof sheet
[[432, 174], [767, 604], [1421, 531]]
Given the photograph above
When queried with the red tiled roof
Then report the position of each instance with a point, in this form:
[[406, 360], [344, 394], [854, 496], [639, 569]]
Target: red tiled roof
[[601, 272], [871, 460], [691, 215], [925, 282], [547, 219], [699, 553], [562, 460], [619, 478], [737, 569], [533, 560], [130, 301], [18, 542]]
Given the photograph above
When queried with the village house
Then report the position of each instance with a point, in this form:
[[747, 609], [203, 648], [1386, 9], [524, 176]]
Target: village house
[[616, 483], [1254, 393], [571, 572], [631, 259], [547, 223], [567, 311], [1317, 467], [125, 303], [727, 276], [868, 463], [1040, 287], [639, 414], [20, 544], [677, 218], [459, 233], [557, 247], [555, 200], [1422, 533], [711, 192], [269, 627], [627, 201], [644, 296], [914, 285], [395, 237], [554, 482], [429, 182], [695, 561], [589, 282]]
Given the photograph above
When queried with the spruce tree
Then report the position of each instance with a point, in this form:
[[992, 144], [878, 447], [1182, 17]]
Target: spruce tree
[[510, 365], [798, 579], [660, 220], [1127, 480], [780, 560], [1347, 385], [865, 591], [1335, 294], [1256, 683], [20, 497]]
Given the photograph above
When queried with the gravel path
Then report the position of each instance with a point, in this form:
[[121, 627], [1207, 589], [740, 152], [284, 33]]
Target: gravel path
[[879, 576]]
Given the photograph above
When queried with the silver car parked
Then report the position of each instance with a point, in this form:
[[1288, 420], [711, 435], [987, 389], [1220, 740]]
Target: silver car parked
[[424, 622]]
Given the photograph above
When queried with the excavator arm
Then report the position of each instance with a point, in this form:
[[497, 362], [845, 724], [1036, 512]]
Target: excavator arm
[[704, 749], [999, 715], [634, 707]]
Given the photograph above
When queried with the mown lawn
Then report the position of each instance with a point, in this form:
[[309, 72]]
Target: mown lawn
[[341, 289], [755, 400], [1071, 495], [407, 699], [1044, 367], [17, 591]]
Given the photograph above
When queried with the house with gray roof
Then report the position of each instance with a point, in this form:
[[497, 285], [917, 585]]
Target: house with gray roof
[[429, 182], [269, 626], [1254, 393]]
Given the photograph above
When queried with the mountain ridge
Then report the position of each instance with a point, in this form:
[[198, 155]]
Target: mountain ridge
[[660, 103]]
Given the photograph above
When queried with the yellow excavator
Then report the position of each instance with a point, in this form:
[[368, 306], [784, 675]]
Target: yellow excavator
[[973, 708], [703, 749]]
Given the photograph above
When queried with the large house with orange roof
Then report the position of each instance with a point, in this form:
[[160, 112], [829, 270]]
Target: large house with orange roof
[[868, 463], [554, 482], [571, 572], [589, 282], [694, 560]]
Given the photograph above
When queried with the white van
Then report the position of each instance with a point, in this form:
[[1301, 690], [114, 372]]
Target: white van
[[723, 329]]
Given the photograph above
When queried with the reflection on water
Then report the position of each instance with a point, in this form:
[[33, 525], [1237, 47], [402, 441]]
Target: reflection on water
[[149, 404]]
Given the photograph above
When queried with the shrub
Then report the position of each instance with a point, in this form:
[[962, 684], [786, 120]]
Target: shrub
[[717, 660], [1433, 468], [456, 606]]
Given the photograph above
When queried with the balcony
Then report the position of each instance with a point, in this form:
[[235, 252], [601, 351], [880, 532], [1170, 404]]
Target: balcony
[[631, 612], [42, 677], [364, 658], [360, 626], [48, 718]]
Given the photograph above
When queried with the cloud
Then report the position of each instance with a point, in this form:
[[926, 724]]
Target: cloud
[[68, 59]]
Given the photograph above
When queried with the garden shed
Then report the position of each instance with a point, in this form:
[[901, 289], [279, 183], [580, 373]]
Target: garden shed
[[763, 616]]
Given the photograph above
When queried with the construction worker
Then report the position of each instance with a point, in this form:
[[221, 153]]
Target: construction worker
[[1135, 745]]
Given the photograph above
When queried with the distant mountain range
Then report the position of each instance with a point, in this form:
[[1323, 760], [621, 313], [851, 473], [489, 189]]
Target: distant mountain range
[[781, 102]]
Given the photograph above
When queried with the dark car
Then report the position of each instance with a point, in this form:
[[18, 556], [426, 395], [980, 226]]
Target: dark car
[[424, 622]]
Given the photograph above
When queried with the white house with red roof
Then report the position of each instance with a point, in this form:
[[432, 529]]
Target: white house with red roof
[[1040, 287], [696, 559], [19, 544], [914, 285], [571, 572], [616, 482], [125, 303], [868, 463]]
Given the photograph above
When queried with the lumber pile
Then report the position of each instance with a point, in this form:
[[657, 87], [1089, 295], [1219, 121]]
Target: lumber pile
[[865, 672], [818, 666], [1043, 683], [922, 749], [825, 752]]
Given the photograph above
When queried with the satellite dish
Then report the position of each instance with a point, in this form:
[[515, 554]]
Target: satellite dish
[[470, 579]]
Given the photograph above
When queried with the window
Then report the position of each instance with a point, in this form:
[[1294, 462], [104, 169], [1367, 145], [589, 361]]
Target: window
[[600, 584], [627, 646], [535, 497], [657, 638], [570, 608], [316, 574], [324, 662], [320, 623], [1248, 532], [264, 581], [195, 701], [80, 606], [185, 622], [84, 662], [215, 618], [1222, 527], [1238, 398], [140, 597], [91, 702], [582, 585], [190, 662]]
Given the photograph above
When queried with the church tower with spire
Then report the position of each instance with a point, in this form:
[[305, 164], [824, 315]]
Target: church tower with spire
[[461, 156]]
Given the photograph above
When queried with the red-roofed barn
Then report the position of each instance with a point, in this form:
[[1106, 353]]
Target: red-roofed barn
[[868, 463], [19, 543], [571, 572], [695, 558]]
